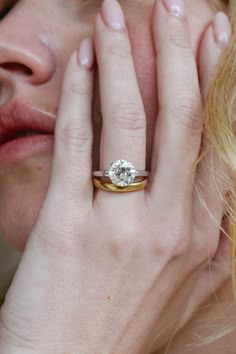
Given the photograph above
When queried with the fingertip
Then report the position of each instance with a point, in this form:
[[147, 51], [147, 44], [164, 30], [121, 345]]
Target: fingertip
[[208, 52], [214, 40], [99, 25], [81, 62], [85, 54], [222, 29]]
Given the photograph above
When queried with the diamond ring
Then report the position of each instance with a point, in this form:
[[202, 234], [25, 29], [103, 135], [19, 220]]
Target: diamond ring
[[122, 173], [109, 187]]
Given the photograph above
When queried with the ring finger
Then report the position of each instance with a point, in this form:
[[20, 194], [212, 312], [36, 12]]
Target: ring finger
[[124, 121]]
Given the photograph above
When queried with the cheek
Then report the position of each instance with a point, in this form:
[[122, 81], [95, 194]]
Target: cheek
[[139, 23], [200, 15], [143, 48], [23, 189], [144, 55], [145, 65]]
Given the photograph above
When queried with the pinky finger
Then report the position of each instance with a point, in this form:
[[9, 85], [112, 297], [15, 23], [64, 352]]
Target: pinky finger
[[213, 43], [212, 47]]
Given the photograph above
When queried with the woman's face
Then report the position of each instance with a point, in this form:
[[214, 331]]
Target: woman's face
[[36, 40]]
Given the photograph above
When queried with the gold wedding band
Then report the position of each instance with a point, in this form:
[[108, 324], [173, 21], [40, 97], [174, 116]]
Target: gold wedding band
[[110, 187]]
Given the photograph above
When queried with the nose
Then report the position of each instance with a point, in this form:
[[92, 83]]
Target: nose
[[25, 54]]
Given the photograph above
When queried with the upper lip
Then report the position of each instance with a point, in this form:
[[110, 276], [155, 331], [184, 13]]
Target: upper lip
[[16, 117]]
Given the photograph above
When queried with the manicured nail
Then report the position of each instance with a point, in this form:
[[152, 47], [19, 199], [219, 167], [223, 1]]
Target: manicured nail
[[222, 28], [113, 15], [175, 7], [86, 54]]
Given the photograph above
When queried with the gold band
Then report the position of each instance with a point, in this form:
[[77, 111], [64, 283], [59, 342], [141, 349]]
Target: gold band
[[110, 187]]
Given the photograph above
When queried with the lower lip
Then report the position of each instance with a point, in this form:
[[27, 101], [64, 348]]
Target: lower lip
[[25, 146]]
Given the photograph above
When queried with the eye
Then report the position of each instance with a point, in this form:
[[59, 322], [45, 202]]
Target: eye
[[5, 7]]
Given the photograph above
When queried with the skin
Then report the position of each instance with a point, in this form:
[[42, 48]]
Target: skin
[[27, 180], [23, 185]]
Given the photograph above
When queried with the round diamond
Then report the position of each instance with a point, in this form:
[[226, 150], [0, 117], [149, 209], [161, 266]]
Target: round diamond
[[122, 173]]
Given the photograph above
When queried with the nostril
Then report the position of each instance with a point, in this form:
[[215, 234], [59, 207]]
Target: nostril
[[17, 68]]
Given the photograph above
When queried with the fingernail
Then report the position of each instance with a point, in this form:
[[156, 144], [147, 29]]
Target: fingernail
[[113, 15], [222, 28], [175, 7], [86, 54]]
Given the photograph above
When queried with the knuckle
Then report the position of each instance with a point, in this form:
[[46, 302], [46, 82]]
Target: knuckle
[[125, 244], [180, 244], [175, 245], [67, 231], [75, 135], [205, 247], [188, 113], [180, 237], [119, 50], [79, 89], [179, 40], [130, 117]]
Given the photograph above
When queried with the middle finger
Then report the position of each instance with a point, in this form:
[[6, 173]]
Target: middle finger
[[124, 121]]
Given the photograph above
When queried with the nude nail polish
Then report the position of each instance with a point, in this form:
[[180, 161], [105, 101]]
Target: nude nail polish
[[113, 15], [222, 28], [86, 54], [175, 7]]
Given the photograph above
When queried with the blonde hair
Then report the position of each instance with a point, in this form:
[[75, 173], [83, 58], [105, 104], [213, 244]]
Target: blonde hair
[[219, 123], [219, 130]]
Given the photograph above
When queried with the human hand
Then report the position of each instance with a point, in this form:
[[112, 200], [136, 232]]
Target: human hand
[[100, 271]]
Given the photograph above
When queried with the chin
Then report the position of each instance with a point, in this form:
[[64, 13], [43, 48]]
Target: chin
[[16, 237], [23, 188], [18, 219]]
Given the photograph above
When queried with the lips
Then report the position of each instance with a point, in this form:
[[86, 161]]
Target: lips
[[18, 119], [6, 137]]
